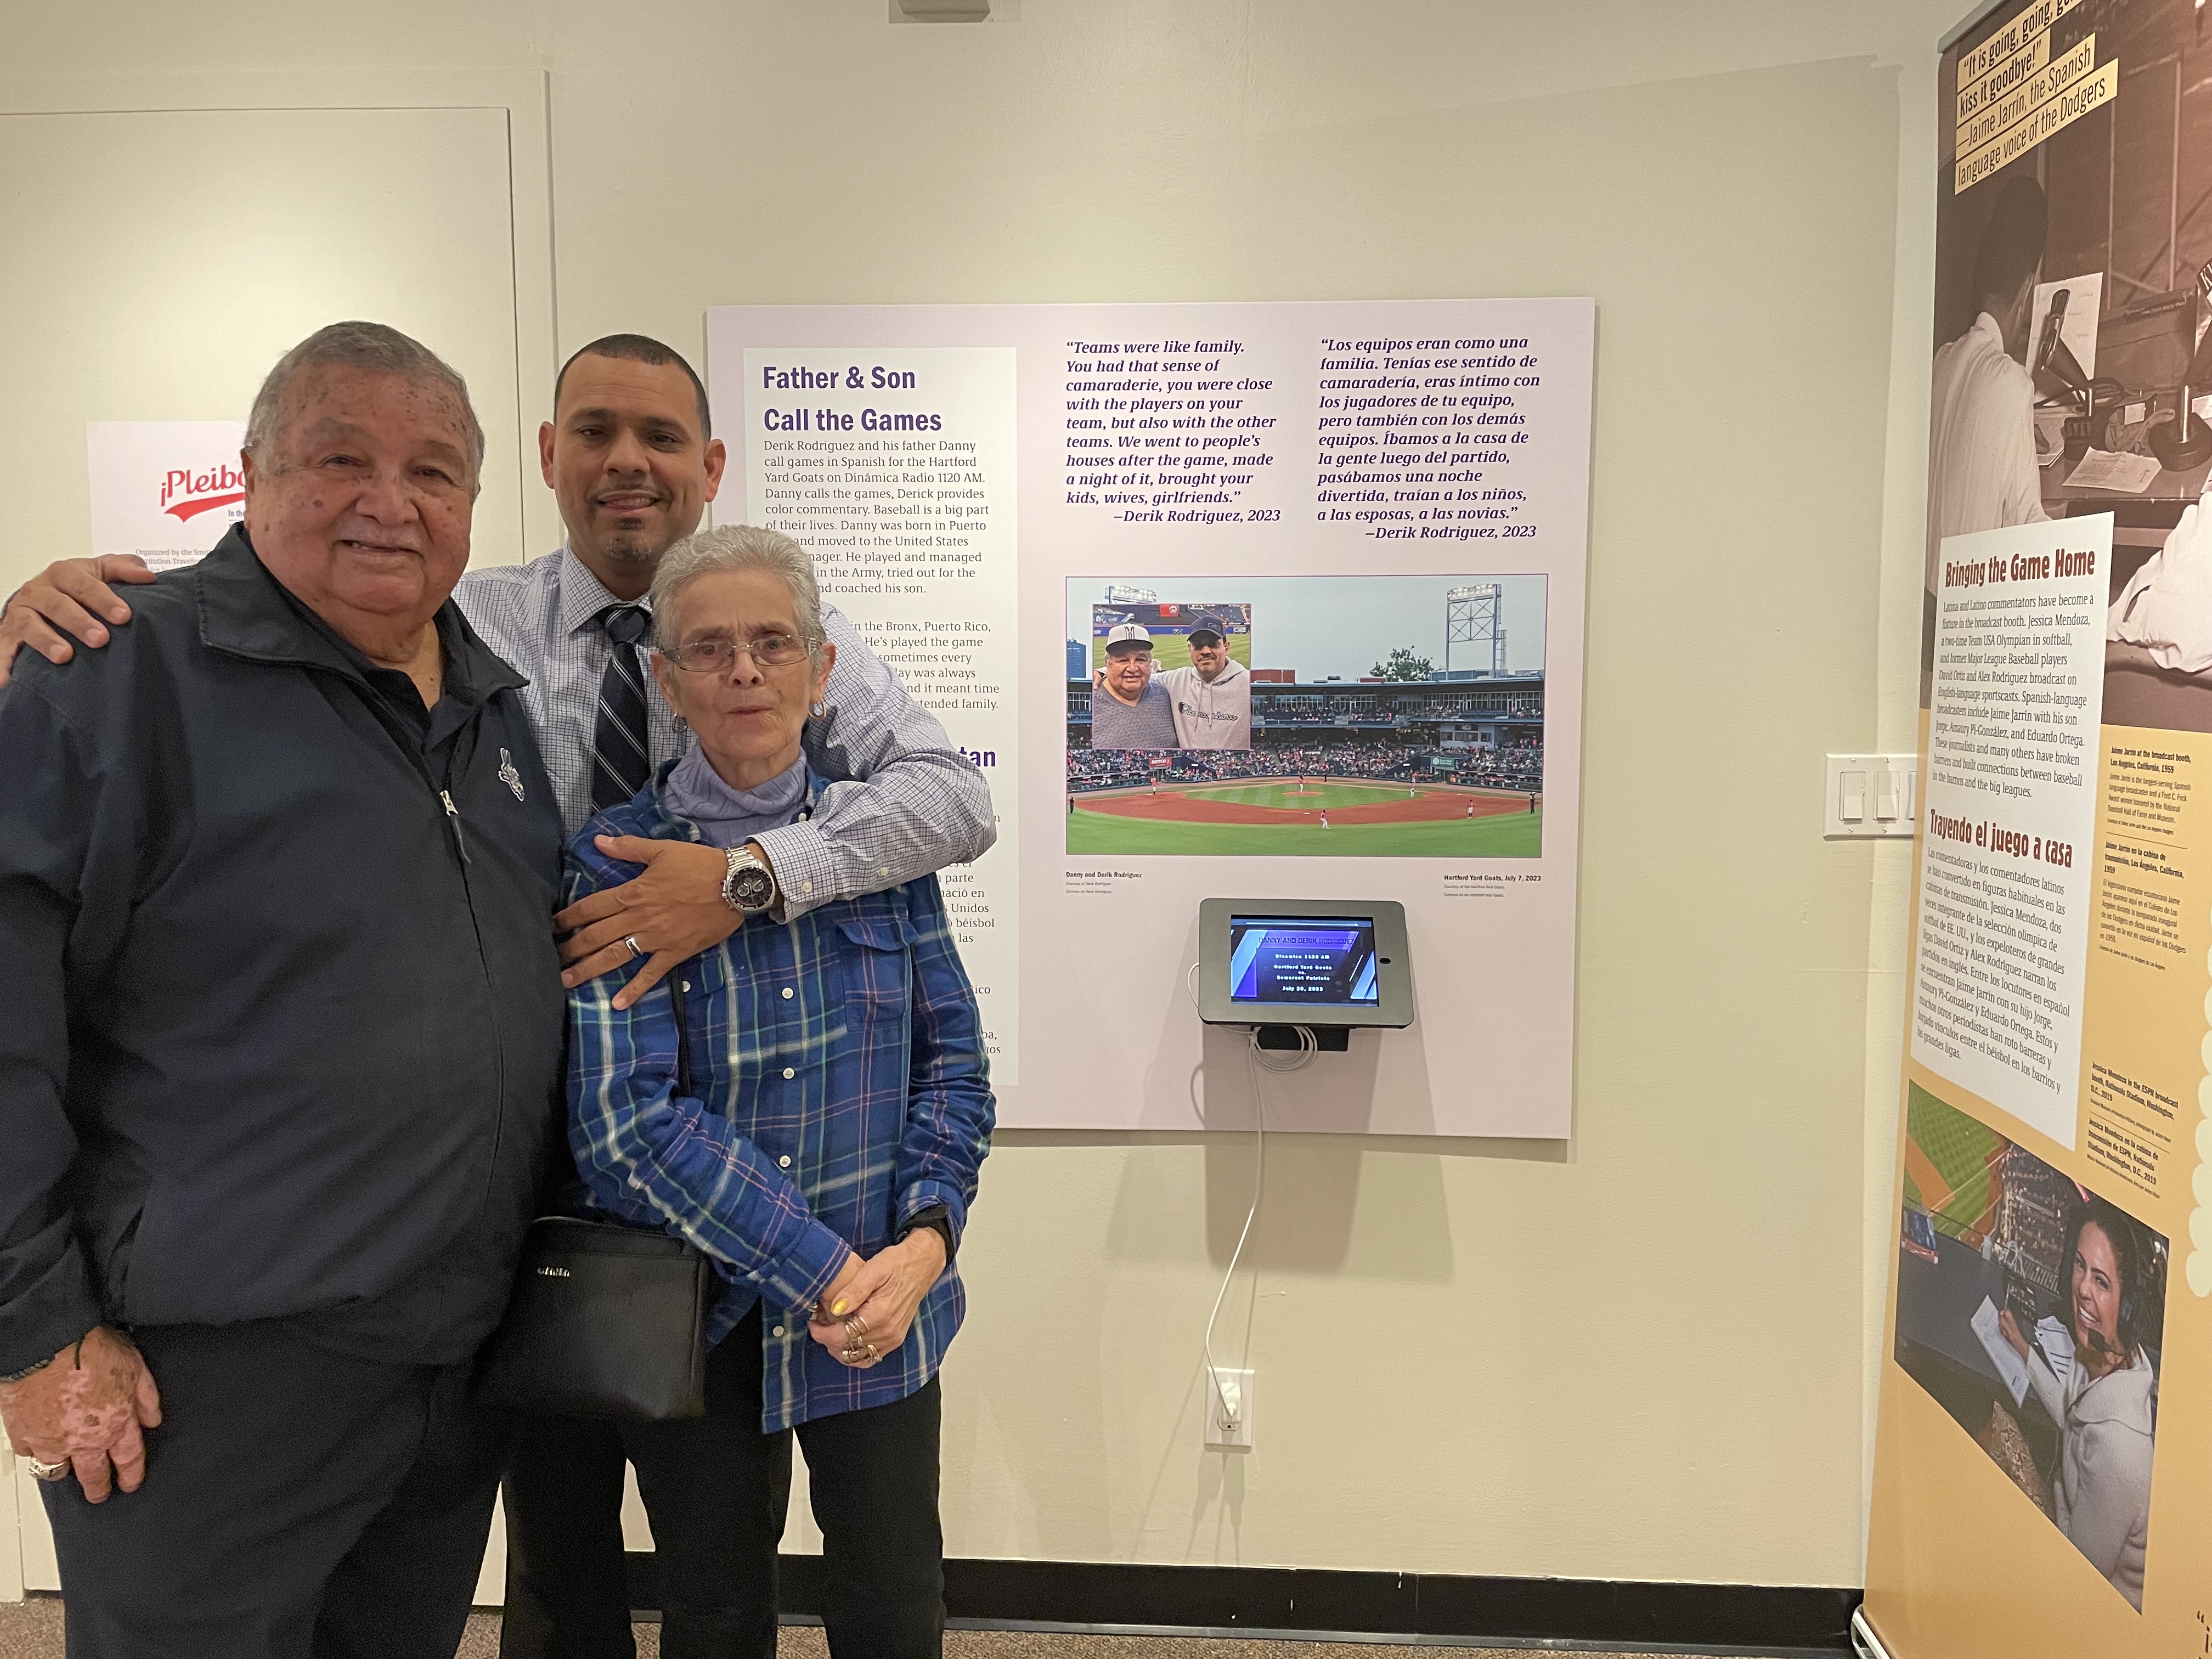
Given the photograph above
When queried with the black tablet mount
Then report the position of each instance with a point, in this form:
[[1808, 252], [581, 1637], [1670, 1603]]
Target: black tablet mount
[[1327, 1039]]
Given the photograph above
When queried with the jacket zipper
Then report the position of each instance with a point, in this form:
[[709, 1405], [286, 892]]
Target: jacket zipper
[[454, 818], [444, 794], [467, 738]]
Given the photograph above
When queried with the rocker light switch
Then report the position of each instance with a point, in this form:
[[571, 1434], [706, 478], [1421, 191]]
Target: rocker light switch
[[1870, 795], [1885, 793]]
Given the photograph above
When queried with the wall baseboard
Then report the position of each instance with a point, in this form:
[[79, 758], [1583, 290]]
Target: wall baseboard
[[1707, 1619]]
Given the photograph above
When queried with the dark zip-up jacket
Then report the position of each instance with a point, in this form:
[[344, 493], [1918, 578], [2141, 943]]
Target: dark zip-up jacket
[[283, 1018]]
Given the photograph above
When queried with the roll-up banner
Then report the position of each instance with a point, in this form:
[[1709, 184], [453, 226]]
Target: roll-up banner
[[2043, 1470]]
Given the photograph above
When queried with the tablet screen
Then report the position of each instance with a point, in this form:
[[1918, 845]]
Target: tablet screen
[[1303, 959]]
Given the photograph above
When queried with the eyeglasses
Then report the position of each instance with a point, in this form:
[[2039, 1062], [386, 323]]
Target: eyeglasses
[[716, 656]]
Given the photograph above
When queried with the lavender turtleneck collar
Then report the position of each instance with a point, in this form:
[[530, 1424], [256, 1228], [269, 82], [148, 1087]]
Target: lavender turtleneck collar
[[727, 817]]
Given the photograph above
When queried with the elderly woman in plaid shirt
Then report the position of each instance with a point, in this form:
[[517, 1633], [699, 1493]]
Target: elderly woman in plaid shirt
[[842, 1109]]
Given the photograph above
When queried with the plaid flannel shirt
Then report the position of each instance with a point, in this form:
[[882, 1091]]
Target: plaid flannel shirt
[[841, 1088]]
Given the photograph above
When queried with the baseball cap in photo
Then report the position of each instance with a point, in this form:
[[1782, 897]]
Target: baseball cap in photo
[[1207, 632], [1128, 633]]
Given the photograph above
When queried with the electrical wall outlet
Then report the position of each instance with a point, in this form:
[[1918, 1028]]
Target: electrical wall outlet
[[1228, 1407], [1871, 795]]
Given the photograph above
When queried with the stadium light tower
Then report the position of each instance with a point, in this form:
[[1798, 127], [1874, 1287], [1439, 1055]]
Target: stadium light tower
[[1474, 614]]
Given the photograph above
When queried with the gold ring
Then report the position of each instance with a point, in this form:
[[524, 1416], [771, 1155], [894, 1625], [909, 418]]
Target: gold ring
[[856, 1327], [873, 1354]]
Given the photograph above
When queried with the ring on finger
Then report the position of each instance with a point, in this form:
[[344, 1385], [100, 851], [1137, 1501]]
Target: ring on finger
[[635, 950], [47, 1472], [856, 1328], [873, 1354]]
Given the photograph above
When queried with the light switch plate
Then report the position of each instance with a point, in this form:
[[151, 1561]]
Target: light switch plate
[[1870, 796]]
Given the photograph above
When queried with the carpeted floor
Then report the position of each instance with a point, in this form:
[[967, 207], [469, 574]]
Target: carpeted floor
[[33, 1629]]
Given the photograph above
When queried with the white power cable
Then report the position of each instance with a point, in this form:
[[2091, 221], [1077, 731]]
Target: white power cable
[[1254, 1059], [1309, 1046]]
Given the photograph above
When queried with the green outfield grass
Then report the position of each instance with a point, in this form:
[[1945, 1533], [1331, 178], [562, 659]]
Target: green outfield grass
[[1173, 651], [1317, 797], [1509, 835]]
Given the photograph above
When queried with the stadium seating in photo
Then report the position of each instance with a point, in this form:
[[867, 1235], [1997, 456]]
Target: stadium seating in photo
[[1516, 766], [1507, 709], [1173, 650]]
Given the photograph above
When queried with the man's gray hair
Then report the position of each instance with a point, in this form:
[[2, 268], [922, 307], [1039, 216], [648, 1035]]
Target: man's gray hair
[[735, 547], [374, 346]]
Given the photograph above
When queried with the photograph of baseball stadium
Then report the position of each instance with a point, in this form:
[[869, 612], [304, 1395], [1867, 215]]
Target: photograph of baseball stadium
[[1389, 717]]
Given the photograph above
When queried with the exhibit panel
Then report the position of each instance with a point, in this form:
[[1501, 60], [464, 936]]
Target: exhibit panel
[[2042, 1434], [1271, 599]]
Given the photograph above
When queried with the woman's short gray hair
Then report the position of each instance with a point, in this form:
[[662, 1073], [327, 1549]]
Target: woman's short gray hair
[[374, 346], [735, 547]]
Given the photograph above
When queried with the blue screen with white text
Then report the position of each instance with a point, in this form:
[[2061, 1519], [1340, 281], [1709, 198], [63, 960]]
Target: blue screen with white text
[[1302, 959]]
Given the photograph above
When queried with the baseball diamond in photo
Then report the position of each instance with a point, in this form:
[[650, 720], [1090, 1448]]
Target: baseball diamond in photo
[[1388, 716]]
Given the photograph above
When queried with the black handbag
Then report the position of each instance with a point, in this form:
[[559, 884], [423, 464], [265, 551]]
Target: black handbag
[[605, 1320]]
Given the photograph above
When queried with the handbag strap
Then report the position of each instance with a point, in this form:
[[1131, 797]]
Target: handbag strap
[[683, 1037]]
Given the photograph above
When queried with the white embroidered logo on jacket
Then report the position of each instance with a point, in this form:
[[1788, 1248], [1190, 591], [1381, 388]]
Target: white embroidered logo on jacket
[[509, 775]]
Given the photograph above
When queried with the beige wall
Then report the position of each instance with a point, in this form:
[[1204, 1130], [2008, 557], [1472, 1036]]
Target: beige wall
[[1643, 1354]]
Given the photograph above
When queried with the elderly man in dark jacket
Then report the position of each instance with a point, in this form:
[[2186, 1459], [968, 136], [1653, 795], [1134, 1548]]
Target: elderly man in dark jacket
[[277, 871]]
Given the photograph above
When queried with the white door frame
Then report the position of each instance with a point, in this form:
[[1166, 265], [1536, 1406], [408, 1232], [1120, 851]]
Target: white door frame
[[525, 96]]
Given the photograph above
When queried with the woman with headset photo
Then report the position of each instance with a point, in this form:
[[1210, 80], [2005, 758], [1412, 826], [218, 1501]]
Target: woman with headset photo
[[2106, 1408]]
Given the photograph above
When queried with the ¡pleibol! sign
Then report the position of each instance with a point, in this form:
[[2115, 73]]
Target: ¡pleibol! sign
[[165, 491]]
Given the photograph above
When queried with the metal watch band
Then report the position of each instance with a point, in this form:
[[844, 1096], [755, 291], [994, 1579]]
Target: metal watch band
[[740, 861]]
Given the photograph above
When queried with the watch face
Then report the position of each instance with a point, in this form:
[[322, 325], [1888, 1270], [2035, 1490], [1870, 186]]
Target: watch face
[[753, 888]]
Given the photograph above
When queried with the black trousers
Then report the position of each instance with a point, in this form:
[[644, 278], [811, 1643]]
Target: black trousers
[[716, 1490], [299, 1503]]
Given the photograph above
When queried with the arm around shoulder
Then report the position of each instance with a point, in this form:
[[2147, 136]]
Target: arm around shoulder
[[70, 599], [903, 800]]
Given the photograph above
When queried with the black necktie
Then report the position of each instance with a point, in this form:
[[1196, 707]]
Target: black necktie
[[621, 757]]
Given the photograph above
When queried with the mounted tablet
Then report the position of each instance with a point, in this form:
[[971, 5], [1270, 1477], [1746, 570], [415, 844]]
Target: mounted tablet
[[1332, 965]]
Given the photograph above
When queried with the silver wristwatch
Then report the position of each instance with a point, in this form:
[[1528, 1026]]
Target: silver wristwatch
[[750, 887]]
